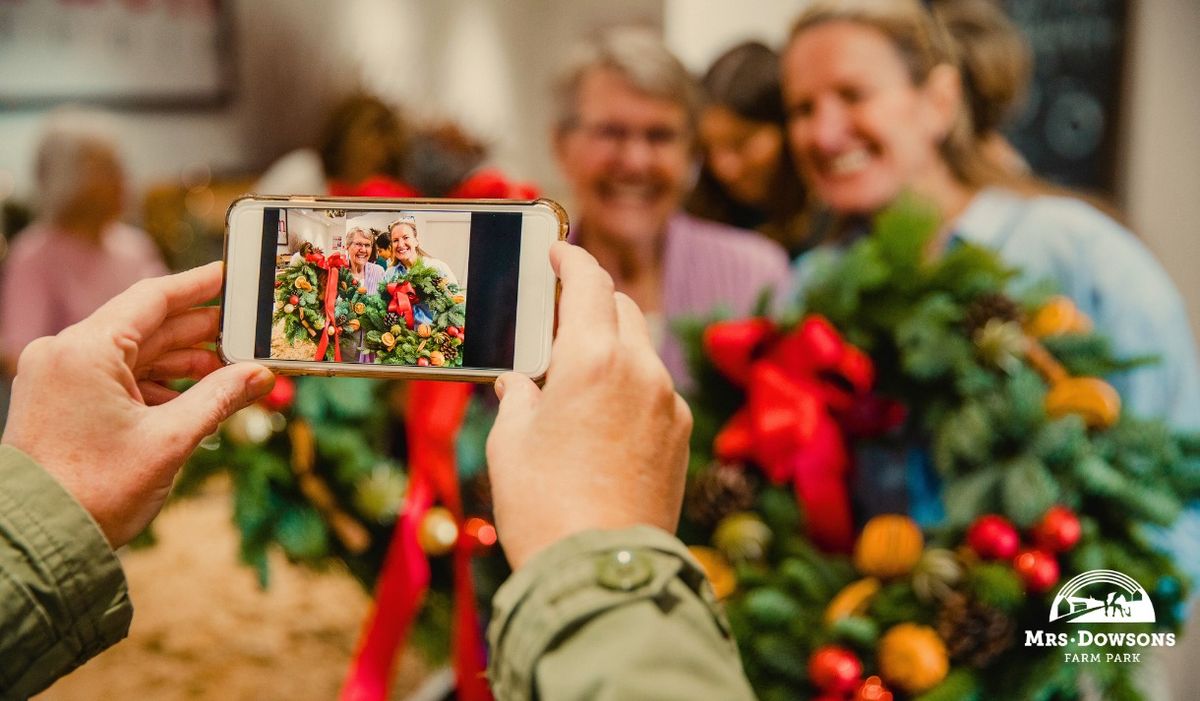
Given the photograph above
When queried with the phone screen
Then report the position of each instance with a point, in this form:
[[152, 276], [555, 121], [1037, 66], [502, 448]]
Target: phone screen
[[414, 288]]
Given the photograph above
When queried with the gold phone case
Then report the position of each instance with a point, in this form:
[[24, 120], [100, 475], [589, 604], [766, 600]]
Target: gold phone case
[[390, 372]]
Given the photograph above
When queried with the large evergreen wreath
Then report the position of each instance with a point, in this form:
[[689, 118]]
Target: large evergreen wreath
[[1042, 479], [301, 304], [398, 338]]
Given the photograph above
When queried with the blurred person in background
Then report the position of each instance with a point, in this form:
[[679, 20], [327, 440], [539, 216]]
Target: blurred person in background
[[624, 139], [747, 178], [383, 249], [997, 66], [76, 255], [359, 154]]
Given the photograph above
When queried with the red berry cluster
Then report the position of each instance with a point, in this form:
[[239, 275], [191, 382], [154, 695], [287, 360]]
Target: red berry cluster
[[994, 537], [837, 672]]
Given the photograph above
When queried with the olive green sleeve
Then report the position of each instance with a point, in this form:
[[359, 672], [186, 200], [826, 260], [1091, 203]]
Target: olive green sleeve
[[610, 615], [63, 596]]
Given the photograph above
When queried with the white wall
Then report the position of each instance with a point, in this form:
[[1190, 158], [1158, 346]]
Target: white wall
[[485, 63], [1161, 177], [699, 31]]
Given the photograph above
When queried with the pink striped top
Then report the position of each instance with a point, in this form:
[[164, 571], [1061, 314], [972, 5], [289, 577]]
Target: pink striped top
[[710, 267]]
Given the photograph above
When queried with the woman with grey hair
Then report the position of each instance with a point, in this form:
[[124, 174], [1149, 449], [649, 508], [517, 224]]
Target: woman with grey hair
[[360, 249], [76, 254], [624, 139]]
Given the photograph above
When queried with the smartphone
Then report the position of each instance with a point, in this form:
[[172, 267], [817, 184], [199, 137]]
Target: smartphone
[[419, 289]]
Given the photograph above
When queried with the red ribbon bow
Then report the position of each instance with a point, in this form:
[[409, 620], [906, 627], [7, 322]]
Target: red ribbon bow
[[795, 385], [332, 264], [403, 299], [435, 412]]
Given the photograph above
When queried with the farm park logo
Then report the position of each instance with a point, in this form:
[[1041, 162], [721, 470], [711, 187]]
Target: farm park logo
[[1102, 596], [1106, 597]]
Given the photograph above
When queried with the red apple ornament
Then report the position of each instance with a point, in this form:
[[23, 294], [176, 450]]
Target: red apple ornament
[[835, 669], [1058, 531], [1037, 569], [993, 537], [281, 395]]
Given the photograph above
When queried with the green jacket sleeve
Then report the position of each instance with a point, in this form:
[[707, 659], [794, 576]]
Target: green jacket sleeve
[[63, 596], [609, 615]]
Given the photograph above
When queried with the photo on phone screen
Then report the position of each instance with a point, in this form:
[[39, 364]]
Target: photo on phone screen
[[419, 288]]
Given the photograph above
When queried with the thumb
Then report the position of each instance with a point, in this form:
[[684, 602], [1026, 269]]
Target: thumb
[[518, 396], [201, 408]]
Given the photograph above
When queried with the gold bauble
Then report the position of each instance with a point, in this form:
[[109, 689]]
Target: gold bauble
[[716, 568], [852, 600], [250, 426], [1091, 398], [912, 658], [936, 574], [742, 536], [890, 546], [438, 532], [1058, 316]]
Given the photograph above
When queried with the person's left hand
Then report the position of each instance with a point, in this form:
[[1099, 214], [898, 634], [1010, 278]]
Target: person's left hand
[[88, 407]]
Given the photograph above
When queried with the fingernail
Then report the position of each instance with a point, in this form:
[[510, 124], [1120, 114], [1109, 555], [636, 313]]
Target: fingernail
[[260, 383], [499, 388]]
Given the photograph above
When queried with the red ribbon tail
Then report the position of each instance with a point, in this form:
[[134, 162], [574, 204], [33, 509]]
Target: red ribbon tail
[[435, 413], [322, 345], [469, 652], [331, 283], [820, 483], [398, 597]]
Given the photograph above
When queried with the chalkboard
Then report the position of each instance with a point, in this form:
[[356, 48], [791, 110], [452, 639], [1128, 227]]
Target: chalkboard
[[1068, 130]]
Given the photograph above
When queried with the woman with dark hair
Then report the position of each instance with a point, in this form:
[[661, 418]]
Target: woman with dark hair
[[383, 249], [748, 179]]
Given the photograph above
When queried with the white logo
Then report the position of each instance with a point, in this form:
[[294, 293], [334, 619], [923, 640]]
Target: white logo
[[1102, 596]]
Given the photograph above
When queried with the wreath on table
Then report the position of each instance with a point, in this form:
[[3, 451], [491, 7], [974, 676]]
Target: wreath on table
[[395, 334], [310, 310]]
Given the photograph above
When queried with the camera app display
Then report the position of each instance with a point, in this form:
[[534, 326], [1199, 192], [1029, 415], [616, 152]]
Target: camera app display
[[369, 287]]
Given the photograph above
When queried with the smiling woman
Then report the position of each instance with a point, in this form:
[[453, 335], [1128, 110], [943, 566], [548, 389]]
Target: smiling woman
[[624, 140]]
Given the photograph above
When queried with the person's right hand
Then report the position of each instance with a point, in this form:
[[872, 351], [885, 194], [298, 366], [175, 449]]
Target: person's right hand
[[88, 405], [604, 444]]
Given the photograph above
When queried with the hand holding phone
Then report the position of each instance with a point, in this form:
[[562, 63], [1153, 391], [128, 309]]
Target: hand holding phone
[[604, 443], [440, 289]]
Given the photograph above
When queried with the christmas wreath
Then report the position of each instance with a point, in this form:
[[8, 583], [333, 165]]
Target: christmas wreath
[[398, 337], [317, 300], [1043, 478]]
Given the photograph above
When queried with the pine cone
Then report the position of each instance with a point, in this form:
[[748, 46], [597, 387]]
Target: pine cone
[[342, 319], [974, 632], [987, 307], [720, 490], [392, 319], [449, 351]]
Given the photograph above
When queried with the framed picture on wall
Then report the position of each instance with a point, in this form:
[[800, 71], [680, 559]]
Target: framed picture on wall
[[136, 53]]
